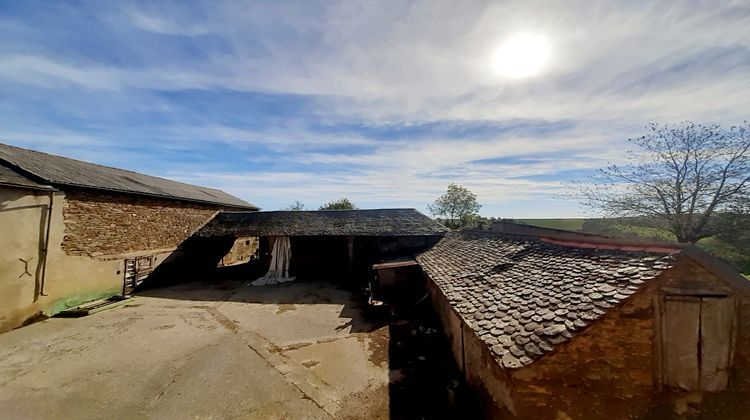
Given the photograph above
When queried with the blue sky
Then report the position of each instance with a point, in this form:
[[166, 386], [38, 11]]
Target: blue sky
[[280, 101]]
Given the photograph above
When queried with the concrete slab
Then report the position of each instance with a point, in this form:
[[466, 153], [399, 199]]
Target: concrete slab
[[200, 351], [332, 361], [296, 313]]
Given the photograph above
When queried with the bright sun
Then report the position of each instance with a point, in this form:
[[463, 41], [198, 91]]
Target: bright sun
[[522, 55]]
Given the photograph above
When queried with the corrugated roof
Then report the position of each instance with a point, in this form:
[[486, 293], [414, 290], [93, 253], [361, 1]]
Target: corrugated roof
[[10, 177], [379, 222], [58, 170], [523, 297]]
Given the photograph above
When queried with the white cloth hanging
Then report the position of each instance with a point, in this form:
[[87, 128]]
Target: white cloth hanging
[[281, 255]]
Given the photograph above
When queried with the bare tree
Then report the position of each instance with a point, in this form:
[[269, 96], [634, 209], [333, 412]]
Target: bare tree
[[297, 205], [681, 177], [458, 207]]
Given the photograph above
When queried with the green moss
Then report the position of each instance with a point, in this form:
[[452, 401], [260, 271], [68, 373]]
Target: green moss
[[76, 300]]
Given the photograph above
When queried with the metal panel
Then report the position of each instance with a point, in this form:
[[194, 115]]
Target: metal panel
[[63, 171], [681, 335]]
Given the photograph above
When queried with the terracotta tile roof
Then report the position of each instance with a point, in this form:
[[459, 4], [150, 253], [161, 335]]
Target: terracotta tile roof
[[524, 296], [58, 170], [371, 222]]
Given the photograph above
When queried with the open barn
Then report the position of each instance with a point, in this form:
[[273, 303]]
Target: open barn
[[340, 245]]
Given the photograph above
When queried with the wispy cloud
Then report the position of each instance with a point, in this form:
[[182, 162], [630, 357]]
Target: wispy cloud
[[279, 101]]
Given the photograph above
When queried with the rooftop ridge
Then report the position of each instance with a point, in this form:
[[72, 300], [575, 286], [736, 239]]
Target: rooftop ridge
[[320, 211], [62, 170], [577, 239], [360, 222]]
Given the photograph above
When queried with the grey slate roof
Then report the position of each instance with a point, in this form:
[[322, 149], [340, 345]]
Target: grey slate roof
[[10, 177], [58, 170], [524, 296], [379, 222]]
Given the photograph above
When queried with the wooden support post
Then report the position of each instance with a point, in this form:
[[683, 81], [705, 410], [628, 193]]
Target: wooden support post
[[350, 259]]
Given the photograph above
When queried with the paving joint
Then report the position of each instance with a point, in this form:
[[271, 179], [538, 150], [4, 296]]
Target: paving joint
[[296, 374]]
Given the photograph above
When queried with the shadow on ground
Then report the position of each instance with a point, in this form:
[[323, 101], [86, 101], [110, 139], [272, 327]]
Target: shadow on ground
[[423, 379]]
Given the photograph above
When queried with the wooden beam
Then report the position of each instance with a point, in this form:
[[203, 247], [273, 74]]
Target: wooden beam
[[350, 254]]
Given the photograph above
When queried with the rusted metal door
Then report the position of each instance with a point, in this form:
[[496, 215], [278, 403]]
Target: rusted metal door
[[697, 342]]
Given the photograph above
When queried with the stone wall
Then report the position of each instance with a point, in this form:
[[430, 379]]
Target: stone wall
[[475, 361], [243, 250], [100, 224], [609, 370], [612, 366]]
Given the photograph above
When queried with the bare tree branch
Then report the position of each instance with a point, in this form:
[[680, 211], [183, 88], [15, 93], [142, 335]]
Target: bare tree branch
[[681, 175]]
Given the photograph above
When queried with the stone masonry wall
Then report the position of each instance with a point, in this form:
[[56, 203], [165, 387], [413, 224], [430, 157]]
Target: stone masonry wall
[[99, 223], [608, 370], [243, 250]]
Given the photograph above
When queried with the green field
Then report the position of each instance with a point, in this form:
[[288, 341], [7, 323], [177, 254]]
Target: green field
[[616, 228], [565, 224]]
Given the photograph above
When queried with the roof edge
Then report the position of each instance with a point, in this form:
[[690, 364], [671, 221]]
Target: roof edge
[[716, 265], [249, 209], [48, 188], [40, 179], [580, 239], [339, 210]]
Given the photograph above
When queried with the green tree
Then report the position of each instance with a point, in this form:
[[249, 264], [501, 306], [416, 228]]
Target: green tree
[[457, 208], [340, 204], [680, 179]]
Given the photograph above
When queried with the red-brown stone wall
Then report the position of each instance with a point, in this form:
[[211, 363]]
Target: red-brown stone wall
[[99, 223], [609, 369], [243, 250], [603, 370]]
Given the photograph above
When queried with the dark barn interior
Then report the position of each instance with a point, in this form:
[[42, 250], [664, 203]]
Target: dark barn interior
[[339, 245]]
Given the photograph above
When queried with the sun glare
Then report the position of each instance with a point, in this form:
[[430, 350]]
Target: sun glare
[[521, 56]]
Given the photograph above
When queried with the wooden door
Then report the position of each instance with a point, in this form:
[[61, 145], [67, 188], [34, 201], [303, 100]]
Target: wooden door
[[697, 342], [717, 319], [681, 336]]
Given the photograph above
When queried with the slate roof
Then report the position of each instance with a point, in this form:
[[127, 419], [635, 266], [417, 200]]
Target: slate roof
[[524, 296], [378, 222], [58, 170]]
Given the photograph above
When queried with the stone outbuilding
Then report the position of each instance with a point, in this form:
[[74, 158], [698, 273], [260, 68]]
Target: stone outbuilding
[[324, 243], [548, 324], [73, 231]]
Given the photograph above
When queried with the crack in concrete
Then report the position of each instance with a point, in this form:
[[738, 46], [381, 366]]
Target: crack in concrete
[[299, 377]]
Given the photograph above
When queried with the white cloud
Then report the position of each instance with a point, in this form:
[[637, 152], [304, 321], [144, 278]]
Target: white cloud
[[614, 67]]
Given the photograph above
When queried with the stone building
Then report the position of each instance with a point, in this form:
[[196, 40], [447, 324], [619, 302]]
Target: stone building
[[549, 324], [330, 243], [72, 232]]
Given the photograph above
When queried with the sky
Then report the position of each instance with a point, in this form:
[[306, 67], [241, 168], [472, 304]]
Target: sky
[[382, 102]]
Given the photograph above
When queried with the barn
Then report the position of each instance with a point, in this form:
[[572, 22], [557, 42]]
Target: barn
[[339, 245], [74, 232], [553, 324]]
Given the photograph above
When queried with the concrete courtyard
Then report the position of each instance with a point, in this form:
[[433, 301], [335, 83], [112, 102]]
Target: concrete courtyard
[[203, 350]]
